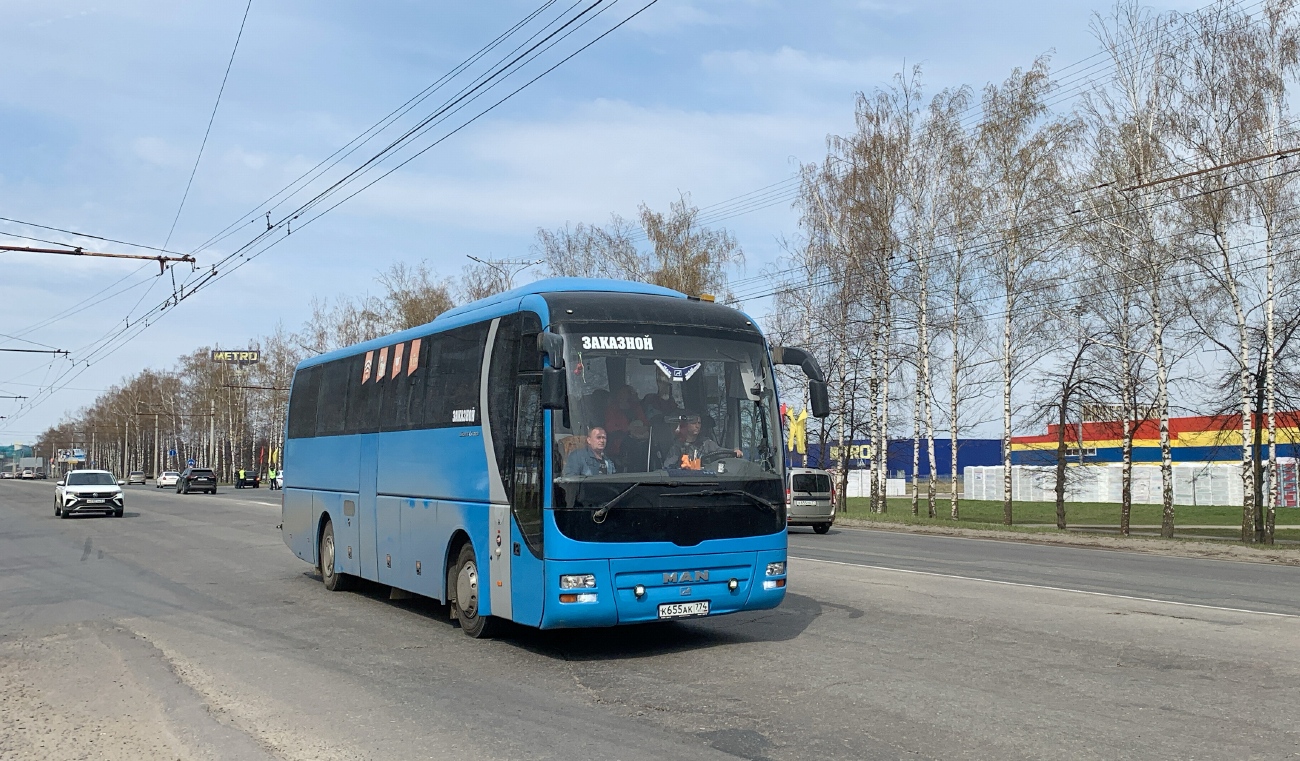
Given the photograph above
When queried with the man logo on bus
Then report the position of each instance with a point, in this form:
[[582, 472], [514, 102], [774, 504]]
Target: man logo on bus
[[685, 577]]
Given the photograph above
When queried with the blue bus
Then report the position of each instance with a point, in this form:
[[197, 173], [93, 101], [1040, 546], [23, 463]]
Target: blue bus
[[572, 453]]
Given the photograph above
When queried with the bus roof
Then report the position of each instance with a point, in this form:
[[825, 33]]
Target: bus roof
[[556, 284], [496, 305]]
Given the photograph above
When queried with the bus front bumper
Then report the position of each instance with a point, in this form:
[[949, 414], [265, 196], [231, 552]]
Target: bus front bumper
[[639, 590]]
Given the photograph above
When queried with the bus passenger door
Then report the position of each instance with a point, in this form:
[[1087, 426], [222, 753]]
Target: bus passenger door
[[527, 580], [367, 516]]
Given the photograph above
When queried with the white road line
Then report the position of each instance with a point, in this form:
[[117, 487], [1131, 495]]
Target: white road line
[[1050, 588], [268, 504]]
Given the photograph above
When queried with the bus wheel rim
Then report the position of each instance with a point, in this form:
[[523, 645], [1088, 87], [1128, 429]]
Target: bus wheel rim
[[327, 556], [467, 590]]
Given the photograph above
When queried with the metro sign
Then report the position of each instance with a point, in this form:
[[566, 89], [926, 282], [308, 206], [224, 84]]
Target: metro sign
[[242, 357]]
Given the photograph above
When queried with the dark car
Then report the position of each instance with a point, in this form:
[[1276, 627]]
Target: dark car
[[250, 480], [197, 479]]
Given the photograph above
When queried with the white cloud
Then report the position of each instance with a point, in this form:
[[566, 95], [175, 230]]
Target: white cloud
[[608, 156], [788, 67], [159, 152]]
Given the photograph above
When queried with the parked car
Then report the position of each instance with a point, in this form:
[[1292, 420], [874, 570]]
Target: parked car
[[39, 475], [136, 477], [250, 480], [88, 491], [168, 478], [29, 474], [197, 479], [810, 498], [6, 474]]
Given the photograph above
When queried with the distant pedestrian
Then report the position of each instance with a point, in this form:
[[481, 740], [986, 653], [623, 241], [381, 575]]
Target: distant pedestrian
[[270, 476], [239, 479]]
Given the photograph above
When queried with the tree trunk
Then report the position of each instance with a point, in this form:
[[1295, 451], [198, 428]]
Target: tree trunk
[[1006, 417], [1060, 460]]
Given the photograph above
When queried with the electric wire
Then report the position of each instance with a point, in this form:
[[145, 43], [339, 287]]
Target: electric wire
[[212, 118]]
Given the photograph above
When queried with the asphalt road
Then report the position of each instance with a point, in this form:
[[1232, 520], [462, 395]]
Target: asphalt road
[[187, 630], [1188, 581]]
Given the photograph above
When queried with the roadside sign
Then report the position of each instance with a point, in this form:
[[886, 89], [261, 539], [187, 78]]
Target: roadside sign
[[191, 463], [171, 452]]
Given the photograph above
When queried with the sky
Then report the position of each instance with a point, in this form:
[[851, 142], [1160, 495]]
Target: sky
[[104, 106]]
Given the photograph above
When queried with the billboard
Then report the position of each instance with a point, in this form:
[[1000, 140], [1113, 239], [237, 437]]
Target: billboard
[[237, 357]]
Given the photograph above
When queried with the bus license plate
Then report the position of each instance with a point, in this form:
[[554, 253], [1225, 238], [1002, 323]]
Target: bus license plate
[[684, 609]]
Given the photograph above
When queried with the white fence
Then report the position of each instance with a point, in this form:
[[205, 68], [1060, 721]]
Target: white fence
[[859, 485], [1194, 483]]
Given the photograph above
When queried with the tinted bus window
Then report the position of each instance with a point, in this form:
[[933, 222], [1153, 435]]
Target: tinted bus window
[[302, 404], [452, 386], [332, 407], [356, 394]]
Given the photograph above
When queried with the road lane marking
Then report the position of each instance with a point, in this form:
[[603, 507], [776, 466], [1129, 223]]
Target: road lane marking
[[1050, 588], [268, 504]]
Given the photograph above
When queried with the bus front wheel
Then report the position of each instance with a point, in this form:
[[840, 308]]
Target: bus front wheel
[[334, 581], [465, 589]]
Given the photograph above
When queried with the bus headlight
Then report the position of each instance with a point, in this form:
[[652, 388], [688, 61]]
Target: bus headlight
[[776, 569], [578, 581]]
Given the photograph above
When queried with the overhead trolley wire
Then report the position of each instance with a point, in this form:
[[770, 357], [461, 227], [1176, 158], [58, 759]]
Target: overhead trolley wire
[[117, 338], [211, 119]]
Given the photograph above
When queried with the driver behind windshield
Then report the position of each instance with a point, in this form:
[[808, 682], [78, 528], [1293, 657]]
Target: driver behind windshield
[[689, 449]]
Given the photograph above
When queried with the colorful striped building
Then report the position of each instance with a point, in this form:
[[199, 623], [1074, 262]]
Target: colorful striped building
[[1215, 438]]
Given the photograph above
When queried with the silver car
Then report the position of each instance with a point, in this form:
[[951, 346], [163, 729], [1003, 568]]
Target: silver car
[[810, 499]]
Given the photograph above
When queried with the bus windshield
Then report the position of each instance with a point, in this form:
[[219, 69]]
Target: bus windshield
[[676, 418]]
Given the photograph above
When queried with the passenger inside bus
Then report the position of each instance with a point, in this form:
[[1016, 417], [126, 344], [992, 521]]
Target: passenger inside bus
[[590, 460]]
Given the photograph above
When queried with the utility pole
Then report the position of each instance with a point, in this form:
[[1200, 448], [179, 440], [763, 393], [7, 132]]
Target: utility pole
[[157, 451], [507, 269], [212, 434]]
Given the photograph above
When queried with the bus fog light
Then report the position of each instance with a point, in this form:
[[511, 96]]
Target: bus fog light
[[733, 585], [639, 591], [776, 569], [578, 581], [774, 584]]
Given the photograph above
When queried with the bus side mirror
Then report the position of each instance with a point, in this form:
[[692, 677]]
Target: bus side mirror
[[551, 345], [819, 399], [553, 391]]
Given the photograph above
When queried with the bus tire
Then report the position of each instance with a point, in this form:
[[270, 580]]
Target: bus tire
[[822, 528], [334, 581], [464, 592]]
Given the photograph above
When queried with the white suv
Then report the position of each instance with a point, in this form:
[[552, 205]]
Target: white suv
[[88, 491]]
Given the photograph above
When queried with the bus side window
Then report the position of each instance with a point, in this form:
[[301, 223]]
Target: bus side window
[[330, 412], [452, 388], [416, 381], [302, 404], [356, 394]]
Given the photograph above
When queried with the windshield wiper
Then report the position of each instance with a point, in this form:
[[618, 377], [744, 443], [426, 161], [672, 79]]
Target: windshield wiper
[[598, 515], [754, 499]]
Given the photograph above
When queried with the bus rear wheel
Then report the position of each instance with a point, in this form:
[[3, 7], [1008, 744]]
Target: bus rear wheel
[[464, 588], [334, 581]]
